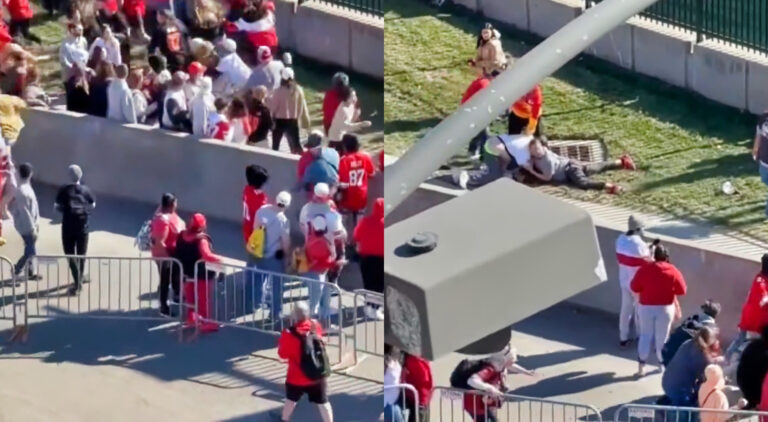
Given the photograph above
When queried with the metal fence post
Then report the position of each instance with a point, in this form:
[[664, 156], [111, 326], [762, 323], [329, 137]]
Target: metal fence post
[[699, 21]]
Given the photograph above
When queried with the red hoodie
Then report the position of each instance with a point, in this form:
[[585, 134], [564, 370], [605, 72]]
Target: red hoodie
[[289, 348], [369, 233], [253, 199], [657, 284], [476, 86], [20, 10], [418, 373], [753, 315], [331, 102]]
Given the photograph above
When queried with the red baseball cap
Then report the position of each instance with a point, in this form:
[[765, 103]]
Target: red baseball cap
[[197, 222], [196, 68]]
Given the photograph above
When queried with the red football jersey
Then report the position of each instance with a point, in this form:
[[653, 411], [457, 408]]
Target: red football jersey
[[354, 170]]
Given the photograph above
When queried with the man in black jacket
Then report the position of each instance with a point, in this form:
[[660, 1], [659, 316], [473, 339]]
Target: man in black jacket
[[75, 202]]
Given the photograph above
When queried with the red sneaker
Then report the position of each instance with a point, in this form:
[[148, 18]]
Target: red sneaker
[[628, 163], [615, 190]]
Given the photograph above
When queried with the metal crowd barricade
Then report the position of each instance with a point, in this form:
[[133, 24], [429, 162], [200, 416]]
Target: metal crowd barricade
[[653, 413], [402, 390], [113, 287], [242, 297], [368, 333], [451, 404], [10, 296]]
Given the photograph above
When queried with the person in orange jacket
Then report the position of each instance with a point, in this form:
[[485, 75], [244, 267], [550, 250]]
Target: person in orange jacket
[[297, 384], [525, 113]]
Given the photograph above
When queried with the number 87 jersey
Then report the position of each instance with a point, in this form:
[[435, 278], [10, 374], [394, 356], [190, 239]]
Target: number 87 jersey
[[354, 170]]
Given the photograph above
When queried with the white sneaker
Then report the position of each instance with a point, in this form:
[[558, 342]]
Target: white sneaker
[[287, 59], [461, 178], [332, 329], [374, 314]]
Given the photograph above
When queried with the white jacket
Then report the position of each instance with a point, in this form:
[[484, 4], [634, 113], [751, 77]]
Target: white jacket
[[120, 106], [631, 253]]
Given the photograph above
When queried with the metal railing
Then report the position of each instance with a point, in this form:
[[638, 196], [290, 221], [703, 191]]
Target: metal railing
[[403, 390], [111, 288], [455, 405], [653, 413], [741, 22], [10, 296], [370, 7], [368, 332], [247, 298]]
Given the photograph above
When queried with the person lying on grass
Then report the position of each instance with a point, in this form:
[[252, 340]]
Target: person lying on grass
[[547, 166]]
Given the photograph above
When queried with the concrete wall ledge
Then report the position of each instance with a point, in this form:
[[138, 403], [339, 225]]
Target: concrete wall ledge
[[333, 35], [546, 17]]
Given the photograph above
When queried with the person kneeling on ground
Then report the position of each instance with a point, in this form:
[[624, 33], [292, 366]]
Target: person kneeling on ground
[[293, 345], [550, 167], [488, 378], [688, 329], [503, 153], [687, 367]]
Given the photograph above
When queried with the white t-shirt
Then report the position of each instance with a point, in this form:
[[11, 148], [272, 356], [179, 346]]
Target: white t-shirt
[[392, 377], [517, 146], [332, 218], [276, 225]]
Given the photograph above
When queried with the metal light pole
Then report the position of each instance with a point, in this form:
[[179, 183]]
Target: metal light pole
[[451, 136]]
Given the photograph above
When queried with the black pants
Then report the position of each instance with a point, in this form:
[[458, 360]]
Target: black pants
[[289, 128], [515, 125], [578, 174], [169, 275], [478, 142], [372, 269], [74, 239], [21, 27]]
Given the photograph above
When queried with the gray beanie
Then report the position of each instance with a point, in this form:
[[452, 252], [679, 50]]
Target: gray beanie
[[75, 173], [635, 223]]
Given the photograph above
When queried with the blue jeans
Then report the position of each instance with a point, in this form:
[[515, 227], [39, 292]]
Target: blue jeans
[[393, 413], [319, 296], [764, 178], [29, 252], [275, 283]]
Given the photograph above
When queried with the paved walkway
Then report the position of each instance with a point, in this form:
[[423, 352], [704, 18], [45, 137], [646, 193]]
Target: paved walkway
[[75, 369]]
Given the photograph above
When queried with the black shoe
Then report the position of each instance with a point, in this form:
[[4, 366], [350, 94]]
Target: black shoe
[[74, 290], [34, 277], [624, 344], [167, 312], [86, 279]]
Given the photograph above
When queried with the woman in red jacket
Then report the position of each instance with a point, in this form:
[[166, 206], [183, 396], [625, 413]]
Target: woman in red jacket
[[418, 373], [21, 19], [657, 284], [296, 383]]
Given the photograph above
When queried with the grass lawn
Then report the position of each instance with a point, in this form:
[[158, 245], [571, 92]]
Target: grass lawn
[[685, 145], [314, 77]]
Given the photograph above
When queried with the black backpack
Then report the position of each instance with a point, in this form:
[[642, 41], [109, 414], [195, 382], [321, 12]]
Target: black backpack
[[464, 370], [314, 359]]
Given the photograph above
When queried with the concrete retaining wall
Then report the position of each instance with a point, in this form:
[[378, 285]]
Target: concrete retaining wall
[[332, 35], [710, 274], [718, 71], [140, 164]]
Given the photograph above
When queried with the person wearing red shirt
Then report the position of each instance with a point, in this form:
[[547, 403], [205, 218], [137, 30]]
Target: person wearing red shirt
[[192, 246], [165, 228], [754, 313], [355, 168], [476, 144], [417, 372], [314, 140], [253, 197], [657, 284], [332, 98], [369, 236], [289, 347], [21, 19], [525, 113], [489, 380], [134, 11], [322, 259]]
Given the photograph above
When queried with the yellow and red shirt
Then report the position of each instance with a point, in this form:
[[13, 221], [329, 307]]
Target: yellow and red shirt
[[529, 107]]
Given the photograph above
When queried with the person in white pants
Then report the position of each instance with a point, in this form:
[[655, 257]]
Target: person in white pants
[[631, 253], [657, 284]]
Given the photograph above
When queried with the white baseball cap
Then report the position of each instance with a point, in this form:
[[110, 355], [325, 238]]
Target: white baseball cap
[[286, 73], [319, 223], [322, 190], [283, 199]]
